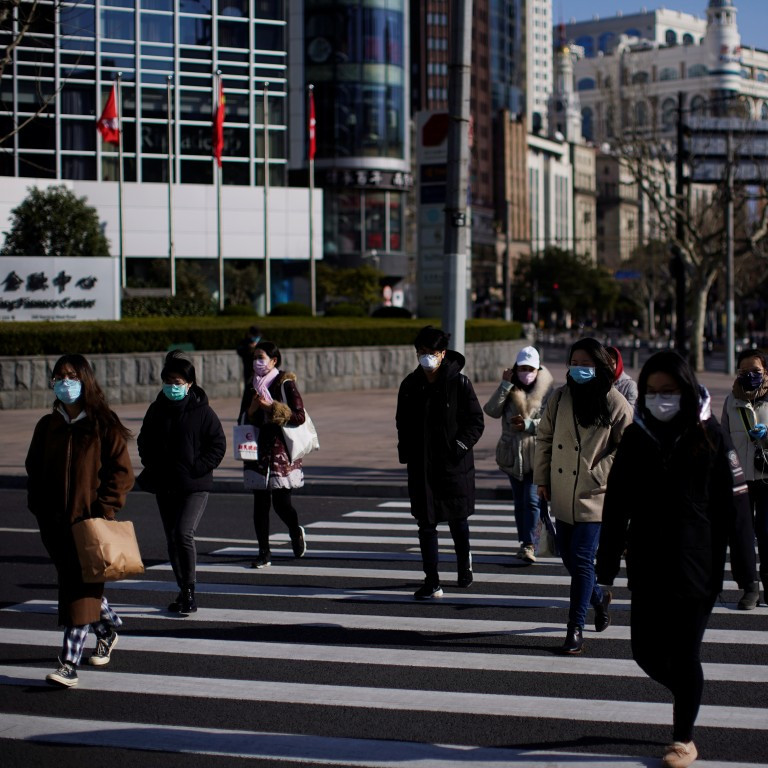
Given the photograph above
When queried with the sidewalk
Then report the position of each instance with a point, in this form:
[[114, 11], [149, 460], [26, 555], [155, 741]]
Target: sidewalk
[[358, 442]]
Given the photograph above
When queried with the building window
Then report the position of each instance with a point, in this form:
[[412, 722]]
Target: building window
[[668, 114], [118, 25], [587, 124], [668, 73], [688, 39], [698, 70], [586, 84]]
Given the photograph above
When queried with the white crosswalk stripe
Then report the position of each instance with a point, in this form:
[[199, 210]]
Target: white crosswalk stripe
[[252, 626]]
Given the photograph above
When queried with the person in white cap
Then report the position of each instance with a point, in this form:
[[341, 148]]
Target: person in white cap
[[519, 401]]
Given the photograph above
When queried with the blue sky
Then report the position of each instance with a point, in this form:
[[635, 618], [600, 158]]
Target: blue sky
[[752, 14]]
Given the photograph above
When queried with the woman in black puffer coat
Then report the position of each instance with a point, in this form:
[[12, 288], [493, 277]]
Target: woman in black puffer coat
[[675, 494], [180, 444], [439, 420]]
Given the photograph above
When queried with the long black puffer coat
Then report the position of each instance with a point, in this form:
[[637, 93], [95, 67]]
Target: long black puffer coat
[[673, 506], [180, 444], [437, 426]]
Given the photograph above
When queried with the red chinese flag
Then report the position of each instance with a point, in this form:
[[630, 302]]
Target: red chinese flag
[[312, 124], [108, 125], [218, 125]]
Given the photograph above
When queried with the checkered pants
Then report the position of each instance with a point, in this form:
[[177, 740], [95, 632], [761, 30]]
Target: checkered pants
[[74, 637]]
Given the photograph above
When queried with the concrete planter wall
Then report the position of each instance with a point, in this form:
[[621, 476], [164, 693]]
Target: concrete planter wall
[[135, 378]]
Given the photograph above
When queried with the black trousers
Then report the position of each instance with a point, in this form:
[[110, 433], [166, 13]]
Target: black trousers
[[671, 657], [280, 498], [429, 548]]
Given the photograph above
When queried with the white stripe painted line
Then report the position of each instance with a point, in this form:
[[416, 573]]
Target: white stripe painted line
[[452, 626], [386, 657], [304, 749], [485, 506], [364, 514], [396, 699], [325, 539], [344, 525], [19, 530], [404, 596], [278, 569]]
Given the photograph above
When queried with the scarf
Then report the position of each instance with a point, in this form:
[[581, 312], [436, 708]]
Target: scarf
[[619, 363], [261, 384], [751, 395]]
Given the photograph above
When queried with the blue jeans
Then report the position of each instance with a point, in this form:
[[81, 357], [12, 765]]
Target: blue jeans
[[527, 509], [578, 545]]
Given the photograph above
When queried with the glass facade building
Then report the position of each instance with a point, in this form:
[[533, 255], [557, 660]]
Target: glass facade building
[[355, 55], [68, 60]]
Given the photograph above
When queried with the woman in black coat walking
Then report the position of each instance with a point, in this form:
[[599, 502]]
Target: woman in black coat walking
[[180, 444], [439, 420], [675, 492]]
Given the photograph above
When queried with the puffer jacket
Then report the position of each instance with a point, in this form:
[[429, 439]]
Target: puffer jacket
[[180, 444], [575, 461], [515, 449], [673, 507], [756, 412]]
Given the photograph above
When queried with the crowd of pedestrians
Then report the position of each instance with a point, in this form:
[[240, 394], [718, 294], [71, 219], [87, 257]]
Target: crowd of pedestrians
[[640, 470]]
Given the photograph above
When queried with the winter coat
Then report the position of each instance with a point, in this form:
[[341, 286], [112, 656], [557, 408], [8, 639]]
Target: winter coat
[[756, 412], [574, 461], [75, 471], [672, 506], [437, 426], [274, 468], [627, 386], [180, 444], [515, 449]]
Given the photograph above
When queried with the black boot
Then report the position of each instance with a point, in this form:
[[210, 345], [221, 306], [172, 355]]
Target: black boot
[[188, 604], [751, 597], [602, 617], [574, 641], [175, 605]]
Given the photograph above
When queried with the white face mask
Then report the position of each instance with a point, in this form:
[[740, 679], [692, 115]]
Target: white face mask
[[429, 362], [663, 407]]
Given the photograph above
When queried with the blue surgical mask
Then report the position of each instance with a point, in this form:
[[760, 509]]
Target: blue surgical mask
[[581, 374], [67, 390], [175, 391]]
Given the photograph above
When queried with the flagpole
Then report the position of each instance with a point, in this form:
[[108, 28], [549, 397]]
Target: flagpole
[[121, 223], [312, 270], [217, 171], [171, 245], [267, 271]]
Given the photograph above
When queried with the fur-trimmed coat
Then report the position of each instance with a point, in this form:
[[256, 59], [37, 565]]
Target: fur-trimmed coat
[[74, 472], [274, 468], [515, 449]]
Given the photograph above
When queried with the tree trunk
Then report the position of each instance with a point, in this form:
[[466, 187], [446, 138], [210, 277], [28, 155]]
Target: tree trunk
[[699, 292]]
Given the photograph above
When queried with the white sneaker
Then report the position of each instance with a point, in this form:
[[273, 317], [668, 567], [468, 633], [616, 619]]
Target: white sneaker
[[679, 754], [528, 554]]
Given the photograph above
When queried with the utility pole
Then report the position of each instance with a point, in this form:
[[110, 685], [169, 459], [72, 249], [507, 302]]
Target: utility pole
[[677, 264], [455, 286], [730, 345]]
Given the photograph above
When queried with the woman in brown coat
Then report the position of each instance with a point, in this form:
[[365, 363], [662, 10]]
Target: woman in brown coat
[[78, 466]]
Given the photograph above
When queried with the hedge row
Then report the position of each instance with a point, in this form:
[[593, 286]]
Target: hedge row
[[155, 334]]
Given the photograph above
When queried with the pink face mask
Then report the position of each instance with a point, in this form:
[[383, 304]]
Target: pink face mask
[[526, 377]]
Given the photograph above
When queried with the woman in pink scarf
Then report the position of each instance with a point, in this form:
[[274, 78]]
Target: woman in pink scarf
[[271, 401]]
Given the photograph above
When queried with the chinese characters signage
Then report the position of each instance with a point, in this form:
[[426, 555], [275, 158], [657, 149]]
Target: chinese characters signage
[[366, 179], [42, 288]]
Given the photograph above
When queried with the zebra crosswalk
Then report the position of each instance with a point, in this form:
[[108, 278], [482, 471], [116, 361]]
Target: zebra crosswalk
[[328, 660]]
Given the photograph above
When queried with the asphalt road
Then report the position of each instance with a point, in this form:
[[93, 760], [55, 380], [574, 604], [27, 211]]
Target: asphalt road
[[328, 660]]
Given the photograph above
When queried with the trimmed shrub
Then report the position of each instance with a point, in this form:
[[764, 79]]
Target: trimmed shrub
[[238, 310], [345, 309], [153, 334], [389, 312], [291, 309], [166, 306]]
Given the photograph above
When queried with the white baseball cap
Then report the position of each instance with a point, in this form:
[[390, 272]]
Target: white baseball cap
[[528, 356]]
